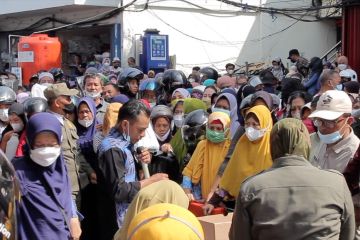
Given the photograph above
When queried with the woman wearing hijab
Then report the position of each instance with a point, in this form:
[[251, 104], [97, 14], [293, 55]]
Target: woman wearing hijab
[[179, 147], [86, 128], [164, 191], [45, 208], [12, 139], [226, 102], [165, 221], [293, 199], [200, 173], [180, 93], [161, 120], [251, 155]]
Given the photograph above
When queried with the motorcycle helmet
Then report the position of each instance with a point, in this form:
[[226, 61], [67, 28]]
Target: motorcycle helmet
[[194, 128], [7, 95], [34, 105], [208, 73], [10, 194]]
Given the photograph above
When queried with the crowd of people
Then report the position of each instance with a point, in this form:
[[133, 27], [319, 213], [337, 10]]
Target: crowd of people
[[114, 153]]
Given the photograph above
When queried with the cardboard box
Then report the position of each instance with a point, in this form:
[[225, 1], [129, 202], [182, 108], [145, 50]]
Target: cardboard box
[[216, 227]]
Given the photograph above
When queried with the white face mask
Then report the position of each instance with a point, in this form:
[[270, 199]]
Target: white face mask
[[178, 120], [342, 67], [163, 138], [4, 115], [45, 156], [92, 94], [17, 127], [46, 84], [85, 122], [254, 134], [230, 71]]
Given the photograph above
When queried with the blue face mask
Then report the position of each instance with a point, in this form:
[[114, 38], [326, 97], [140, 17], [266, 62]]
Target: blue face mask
[[332, 137], [215, 109]]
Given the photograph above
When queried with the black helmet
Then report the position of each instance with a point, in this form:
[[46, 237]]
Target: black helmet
[[58, 74], [34, 105], [169, 81], [128, 74], [194, 128], [208, 73], [173, 79], [9, 195], [7, 95]]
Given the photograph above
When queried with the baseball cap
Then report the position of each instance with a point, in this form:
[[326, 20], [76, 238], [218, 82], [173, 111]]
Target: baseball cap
[[345, 73], [116, 59], [59, 89], [293, 51], [331, 105]]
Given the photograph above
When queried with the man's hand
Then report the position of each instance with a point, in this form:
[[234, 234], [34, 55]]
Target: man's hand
[[153, 178], [144, 156], [93, 178]]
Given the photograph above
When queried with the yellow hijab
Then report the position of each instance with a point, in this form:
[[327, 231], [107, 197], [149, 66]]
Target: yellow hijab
[[249, 158], [208, 156], [165, 221], [165, 191]]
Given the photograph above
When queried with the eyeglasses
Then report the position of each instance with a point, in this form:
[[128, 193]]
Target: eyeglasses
[[327, 123]]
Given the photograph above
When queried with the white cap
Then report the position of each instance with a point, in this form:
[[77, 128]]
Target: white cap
[[331, 105], [345, 73], [116, 59], [46, 74], [353, 74]]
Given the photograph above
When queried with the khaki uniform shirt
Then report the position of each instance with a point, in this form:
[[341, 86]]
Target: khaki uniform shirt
[[70, 152], [294, 200], [335, 157]]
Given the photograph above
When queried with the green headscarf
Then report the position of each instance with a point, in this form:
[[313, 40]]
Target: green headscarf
[[289, 137], [177, 143], [190, 104]]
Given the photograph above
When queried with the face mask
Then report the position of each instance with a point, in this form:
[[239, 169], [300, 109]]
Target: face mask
[[46, 84], [339, 87], [178, 120], [215, 136], [276, 67], [127, 136], [45, 156], [207, 101], [152, 104], [17, 127], [215, 109], [332, 137], [85, 122], [92, 94], [4, 115], [355, 113], [254, 134], [163, 138], [342, 67], [230, 71], [293, 61], [297, 115], [69, 108]]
